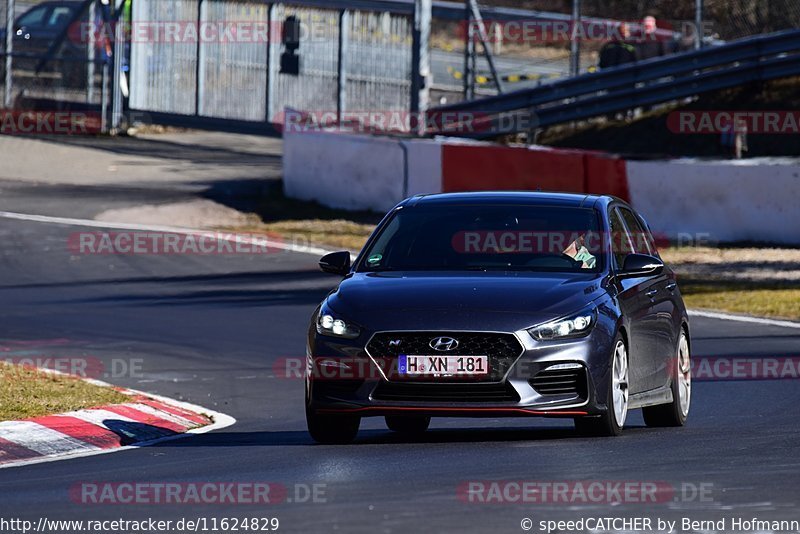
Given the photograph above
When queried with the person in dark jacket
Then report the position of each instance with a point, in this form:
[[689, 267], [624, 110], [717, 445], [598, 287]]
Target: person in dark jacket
[[648, 46], [618, 51]]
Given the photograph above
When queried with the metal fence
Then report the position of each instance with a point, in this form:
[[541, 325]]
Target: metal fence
[[349, 60], [722, 19], [194, 62], [164, 73]]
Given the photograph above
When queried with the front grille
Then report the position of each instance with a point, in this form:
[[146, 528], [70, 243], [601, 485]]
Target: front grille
[[502, 350], [472, 392], [560, 382]]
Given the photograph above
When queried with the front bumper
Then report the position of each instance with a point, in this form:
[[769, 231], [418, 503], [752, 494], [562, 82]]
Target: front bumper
[[551, 379]]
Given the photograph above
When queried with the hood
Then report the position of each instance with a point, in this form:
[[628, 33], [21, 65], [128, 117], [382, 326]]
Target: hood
[[460, 301]]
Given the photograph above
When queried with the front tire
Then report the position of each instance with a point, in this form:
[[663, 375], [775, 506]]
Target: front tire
[[676, 412], [612, 421], [408, 424], [332, 429]]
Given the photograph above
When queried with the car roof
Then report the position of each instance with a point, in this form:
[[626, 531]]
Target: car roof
[[578, 200]]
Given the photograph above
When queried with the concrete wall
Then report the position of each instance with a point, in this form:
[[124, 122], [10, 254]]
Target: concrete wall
[[748, 200], [424, 166], [358, 172]]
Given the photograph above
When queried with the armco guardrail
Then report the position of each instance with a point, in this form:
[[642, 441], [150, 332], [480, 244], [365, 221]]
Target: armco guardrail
[[645, 83]]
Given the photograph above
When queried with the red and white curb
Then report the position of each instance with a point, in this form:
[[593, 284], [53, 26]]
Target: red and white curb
[[146, 420]]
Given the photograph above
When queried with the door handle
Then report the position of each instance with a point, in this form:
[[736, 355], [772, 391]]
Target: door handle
[[671, 286], [651, 293]]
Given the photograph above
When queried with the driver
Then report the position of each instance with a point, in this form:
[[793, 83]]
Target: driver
[[577, 251]]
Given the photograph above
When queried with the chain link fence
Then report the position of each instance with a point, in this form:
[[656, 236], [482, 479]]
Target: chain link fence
[[524, 57], [255, 59], [723, 19], [531, 51]]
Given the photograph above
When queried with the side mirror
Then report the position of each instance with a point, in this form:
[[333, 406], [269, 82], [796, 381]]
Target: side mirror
[[336, 263], [641, 265]]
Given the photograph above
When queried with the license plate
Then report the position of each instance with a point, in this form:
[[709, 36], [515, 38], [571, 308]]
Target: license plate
[[443, 365]]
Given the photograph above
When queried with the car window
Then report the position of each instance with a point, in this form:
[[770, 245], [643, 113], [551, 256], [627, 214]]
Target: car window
[[620, 240], [378, 250], [651, 242], [33, 18], [638, 234], [488, 237], [59, 17]]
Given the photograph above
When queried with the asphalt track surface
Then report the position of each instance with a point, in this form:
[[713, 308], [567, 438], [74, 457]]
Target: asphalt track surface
[[209, 329]]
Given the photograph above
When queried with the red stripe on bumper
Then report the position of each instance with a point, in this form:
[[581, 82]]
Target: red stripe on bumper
[[521, 411]]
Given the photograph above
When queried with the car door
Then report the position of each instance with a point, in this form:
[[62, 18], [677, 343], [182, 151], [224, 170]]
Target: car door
[[660, 304], [669, 311], [637, 308]]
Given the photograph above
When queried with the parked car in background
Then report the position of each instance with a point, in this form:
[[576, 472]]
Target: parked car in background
[[38, 28]]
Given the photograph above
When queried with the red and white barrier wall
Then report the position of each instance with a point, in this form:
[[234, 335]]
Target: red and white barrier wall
[[722, 201]]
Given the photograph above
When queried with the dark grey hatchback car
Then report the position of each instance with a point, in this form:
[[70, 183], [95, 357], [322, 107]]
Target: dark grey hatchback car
[[500, 304]]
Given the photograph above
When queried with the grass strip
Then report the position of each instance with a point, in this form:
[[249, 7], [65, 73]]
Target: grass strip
[[28, 392]]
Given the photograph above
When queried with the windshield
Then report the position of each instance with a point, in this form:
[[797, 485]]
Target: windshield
[[487, 237]]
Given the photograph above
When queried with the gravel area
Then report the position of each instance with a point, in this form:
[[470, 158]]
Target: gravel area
[[736, 264], [201, 213]]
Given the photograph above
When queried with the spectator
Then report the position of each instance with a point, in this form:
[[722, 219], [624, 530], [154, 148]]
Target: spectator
[[649, 46], [734, 138], [618, 50]]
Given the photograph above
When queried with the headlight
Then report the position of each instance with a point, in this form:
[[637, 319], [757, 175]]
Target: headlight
[[329, 325], [578, 325]]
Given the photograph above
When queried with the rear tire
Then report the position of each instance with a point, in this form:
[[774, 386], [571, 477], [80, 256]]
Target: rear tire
[[612, 421], [332, 429], [676, 412], [408, 424]]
